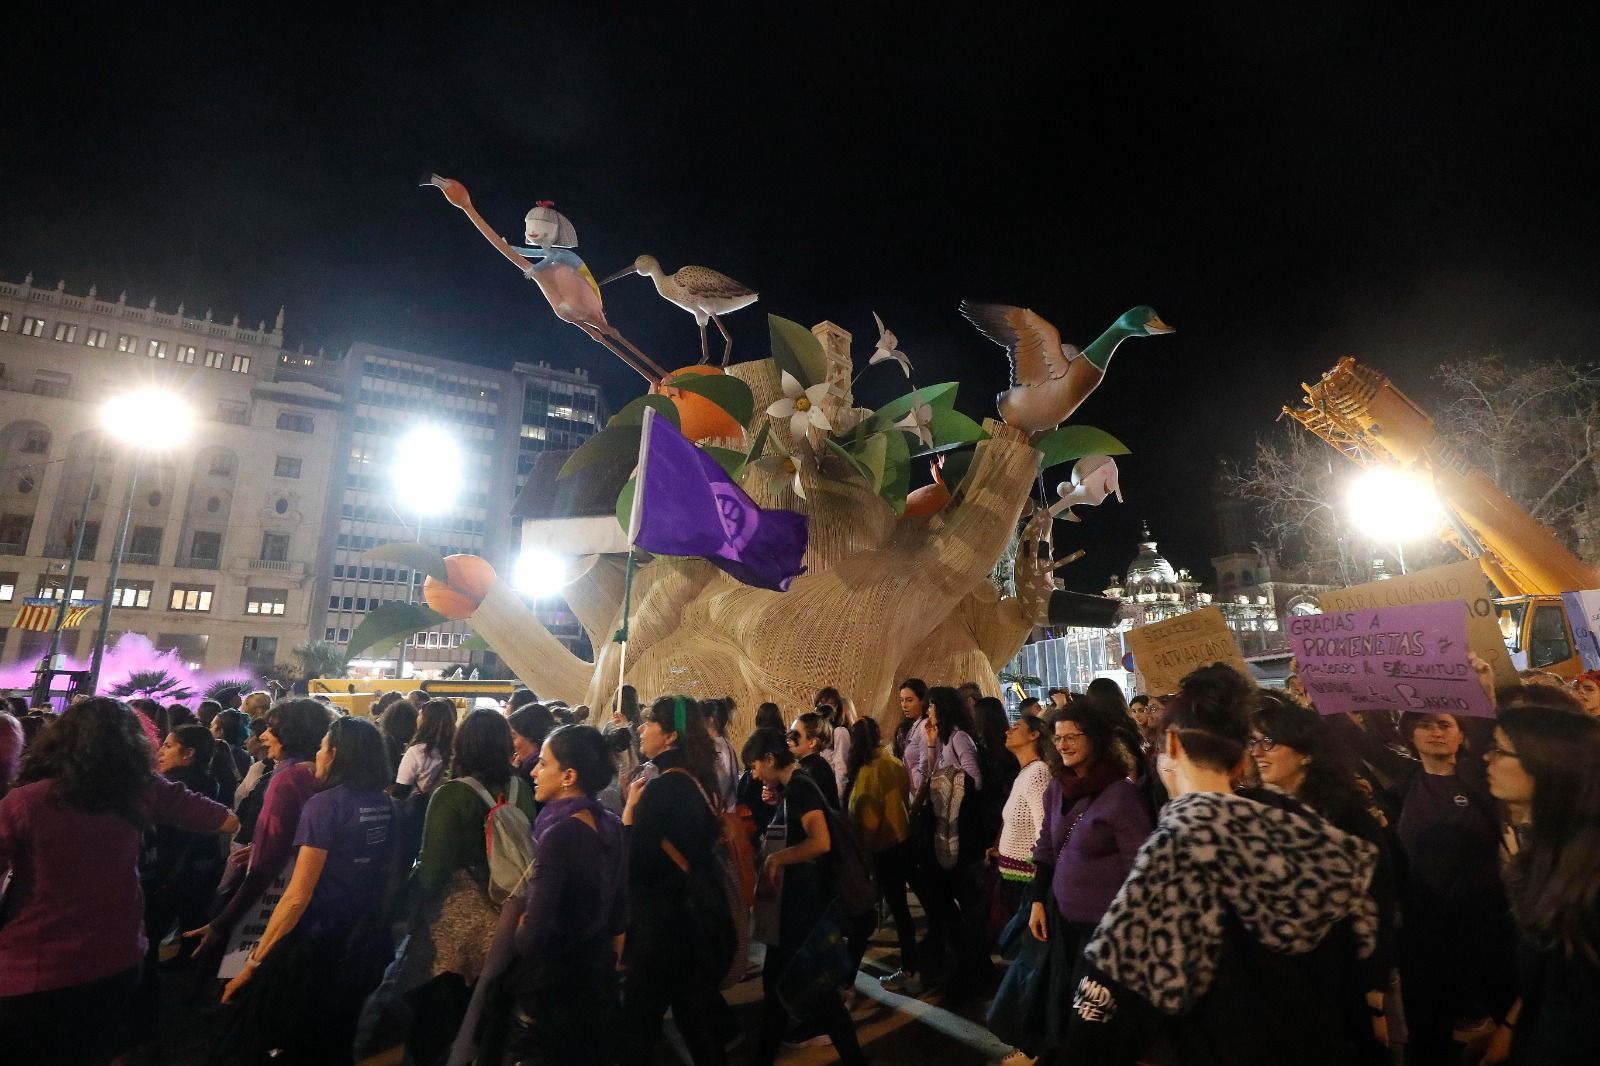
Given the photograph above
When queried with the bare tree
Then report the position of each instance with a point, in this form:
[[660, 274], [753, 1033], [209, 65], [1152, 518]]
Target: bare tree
[[1534, 428]]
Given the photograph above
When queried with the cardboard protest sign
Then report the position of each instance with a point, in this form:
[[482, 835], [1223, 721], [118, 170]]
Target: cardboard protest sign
[[1391, 659], [1463, 581], [1583, 612], [1163, 652], [247, 933]]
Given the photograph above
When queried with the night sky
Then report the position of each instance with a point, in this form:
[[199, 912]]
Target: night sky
[[1284, 189]]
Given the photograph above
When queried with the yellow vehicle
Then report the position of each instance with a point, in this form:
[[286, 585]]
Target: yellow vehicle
[[1361, 415], [357, 695]]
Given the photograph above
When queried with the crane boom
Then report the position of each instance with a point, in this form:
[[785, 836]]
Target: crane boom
[[1360, 414]]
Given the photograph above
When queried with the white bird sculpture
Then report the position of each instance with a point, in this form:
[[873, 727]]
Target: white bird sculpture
[[704, 293], [1094, 477]]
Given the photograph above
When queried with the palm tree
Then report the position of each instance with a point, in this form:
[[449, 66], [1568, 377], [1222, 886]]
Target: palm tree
[[156, 685], [320, 658]]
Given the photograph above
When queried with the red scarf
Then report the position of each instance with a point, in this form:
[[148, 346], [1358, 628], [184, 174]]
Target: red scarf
[[1090, 782]]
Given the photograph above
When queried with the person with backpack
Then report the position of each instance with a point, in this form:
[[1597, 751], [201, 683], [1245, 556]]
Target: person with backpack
[[456, 911], [674, 948], [796, 980], [562, 989]]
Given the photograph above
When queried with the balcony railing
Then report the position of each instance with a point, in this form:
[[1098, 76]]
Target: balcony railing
[[13, 547], [199, 562], [62, 549], [142, 558]]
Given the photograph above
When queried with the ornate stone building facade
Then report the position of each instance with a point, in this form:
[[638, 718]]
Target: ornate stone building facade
[[221, 553]]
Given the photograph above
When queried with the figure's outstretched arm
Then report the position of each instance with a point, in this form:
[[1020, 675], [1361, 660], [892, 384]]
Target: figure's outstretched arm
[[528, 253]]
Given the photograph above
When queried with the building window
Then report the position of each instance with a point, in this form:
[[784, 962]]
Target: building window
[[37, 442], [8, 587], [32, 327], [241, 364], [191, 597], [296, 423], [215, 360], [286, 466], [344, 636], [50, 588], [347, 604], [51, 383], [191, 647], [5, 321], [14, 530], [185, 353], [259, 653], [127, 343], [267, 601], [330, 633], [206, 549], [66, 332], [96, 338], [221, 465], [275, 547], [135, 594], [144, 545], [156, 349]]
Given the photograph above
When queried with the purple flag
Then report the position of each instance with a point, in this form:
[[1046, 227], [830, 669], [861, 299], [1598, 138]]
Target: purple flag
[[684, 503]]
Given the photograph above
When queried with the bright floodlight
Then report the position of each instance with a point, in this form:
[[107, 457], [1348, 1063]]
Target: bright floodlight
[[540, 574], [154, 419], [427, 470], [1393, 506]]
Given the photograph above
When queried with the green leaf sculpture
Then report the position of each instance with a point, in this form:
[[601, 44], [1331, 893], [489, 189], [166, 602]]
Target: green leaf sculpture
[[724, 390], [390, 623], [896, 471], [942, 395], [422, 557], [473, 642], [797, 350], [633, 413], [613, 442], [1070, 443], [625, 503], [732, 462]]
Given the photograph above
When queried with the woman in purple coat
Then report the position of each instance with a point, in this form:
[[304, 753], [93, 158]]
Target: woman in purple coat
[[1095, 820]]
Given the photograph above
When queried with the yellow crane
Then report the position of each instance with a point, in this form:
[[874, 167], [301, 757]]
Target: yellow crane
[[1361, 415]]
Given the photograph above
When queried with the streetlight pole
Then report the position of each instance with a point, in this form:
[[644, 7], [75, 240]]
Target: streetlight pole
[[41, 692], [400, 661], [104, 630]]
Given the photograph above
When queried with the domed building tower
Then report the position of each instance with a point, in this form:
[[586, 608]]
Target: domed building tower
[[1153, 589]]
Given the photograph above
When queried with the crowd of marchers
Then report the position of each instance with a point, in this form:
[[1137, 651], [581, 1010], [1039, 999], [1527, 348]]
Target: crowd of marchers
[[1219, 875]]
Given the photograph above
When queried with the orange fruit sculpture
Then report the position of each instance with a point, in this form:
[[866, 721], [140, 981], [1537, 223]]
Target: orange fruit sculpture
[[470, 579], [699, 418]]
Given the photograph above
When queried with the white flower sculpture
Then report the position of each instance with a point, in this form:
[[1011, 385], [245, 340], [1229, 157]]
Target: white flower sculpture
[[887, 348], [918, 420], [780, 467], [802, 407]]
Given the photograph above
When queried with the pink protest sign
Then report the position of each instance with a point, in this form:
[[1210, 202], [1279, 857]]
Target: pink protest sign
[[1410, 658]]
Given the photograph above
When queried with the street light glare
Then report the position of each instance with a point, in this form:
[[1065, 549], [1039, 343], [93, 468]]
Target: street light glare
[[540, 574], [154, 419], [427, 470], [1394, 506]]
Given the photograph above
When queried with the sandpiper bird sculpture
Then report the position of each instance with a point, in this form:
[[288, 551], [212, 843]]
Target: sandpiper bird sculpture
[[1051, 379], [704, 293], [561, 275]]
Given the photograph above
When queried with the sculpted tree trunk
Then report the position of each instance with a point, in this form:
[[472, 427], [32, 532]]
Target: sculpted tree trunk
[[883, 597]]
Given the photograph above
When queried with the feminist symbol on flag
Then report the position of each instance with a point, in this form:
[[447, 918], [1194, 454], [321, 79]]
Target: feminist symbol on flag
[[735, 517]]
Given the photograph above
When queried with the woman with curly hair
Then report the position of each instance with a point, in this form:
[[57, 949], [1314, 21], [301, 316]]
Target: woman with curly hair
[[1544, 765], [71, 833], [671, 826]]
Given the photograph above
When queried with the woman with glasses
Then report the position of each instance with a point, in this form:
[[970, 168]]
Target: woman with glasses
[[1294, 752], [1095, 821], [1232, 934], [1544, 766]]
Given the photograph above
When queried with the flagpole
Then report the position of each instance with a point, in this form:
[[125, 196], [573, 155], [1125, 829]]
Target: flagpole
[[41, 688], [634, 515]]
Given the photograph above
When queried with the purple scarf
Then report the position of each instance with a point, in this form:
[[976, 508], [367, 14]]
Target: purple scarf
[[559, 810]]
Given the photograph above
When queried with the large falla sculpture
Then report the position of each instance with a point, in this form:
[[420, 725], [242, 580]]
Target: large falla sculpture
[[888, 592]]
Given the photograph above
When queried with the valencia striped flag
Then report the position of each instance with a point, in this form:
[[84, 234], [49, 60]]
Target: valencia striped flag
[[38, 613]]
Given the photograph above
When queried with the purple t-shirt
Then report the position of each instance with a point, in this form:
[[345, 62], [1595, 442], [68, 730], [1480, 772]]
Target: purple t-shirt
[[75, 913], [355, 828]]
